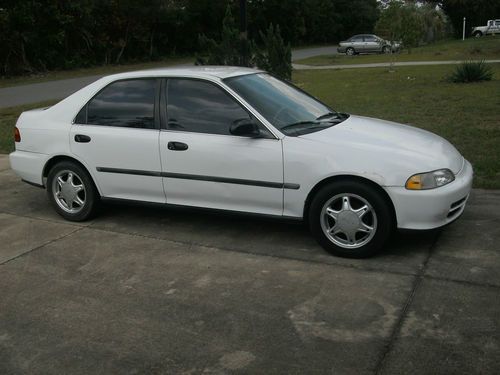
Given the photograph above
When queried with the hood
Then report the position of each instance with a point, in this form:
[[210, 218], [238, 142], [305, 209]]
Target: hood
[[394, 143]]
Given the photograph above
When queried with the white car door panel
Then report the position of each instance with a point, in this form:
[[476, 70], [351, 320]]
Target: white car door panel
[[211, 167], [116, 134], [125, 161], [226, 172]]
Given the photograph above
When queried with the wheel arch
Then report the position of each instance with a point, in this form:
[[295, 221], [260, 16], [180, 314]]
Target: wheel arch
[[344, 177], [59, 158]]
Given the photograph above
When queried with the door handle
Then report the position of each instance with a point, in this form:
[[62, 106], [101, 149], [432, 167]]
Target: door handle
[[80, 138], [177, 146]]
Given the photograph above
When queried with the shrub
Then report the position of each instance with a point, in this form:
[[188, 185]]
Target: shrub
[[275, 56], [232, 49], [471, 71]]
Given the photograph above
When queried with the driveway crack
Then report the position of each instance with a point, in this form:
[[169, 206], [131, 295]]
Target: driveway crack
[[42, 245], [404, 312]]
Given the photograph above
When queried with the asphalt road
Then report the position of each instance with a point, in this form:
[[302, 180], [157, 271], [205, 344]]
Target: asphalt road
[[151, 290], [38, 92], [52, 90]]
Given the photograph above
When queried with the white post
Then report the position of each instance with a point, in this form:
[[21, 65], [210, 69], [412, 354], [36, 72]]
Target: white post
[[463, 32]]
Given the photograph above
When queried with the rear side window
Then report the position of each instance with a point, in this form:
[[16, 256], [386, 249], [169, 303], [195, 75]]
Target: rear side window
[[128, 103]]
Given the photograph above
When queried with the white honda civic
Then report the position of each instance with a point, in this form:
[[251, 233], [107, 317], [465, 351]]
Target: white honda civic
[[241, 140]]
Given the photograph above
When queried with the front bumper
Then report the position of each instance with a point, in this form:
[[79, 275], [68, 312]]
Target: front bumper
[[341, 49], [429, 209]]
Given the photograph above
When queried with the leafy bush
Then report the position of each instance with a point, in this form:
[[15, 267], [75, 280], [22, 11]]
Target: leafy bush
[[232, 49], [275, 56], [471, 71]]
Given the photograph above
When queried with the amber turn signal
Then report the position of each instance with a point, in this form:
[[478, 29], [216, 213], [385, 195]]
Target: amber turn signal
[[414, 183]]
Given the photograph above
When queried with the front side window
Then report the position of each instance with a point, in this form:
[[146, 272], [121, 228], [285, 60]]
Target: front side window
[[128, 103], [201, 107]]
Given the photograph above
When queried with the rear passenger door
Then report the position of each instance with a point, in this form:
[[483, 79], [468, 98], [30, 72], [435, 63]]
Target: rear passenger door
[[116, 134], [358, 43]]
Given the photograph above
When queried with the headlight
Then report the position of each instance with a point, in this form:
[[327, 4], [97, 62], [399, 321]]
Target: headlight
[[430, 180]]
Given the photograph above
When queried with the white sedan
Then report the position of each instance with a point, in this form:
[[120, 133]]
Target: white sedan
[[241, 140]]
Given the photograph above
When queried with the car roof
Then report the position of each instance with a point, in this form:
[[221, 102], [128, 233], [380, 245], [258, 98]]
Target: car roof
[[205, 71]]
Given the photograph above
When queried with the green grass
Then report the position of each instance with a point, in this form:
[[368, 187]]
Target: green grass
[[99, 70], [472, 48], [467, 115]]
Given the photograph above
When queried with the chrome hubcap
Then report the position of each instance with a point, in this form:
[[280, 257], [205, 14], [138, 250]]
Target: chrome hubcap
[[69, 192], [348, 220]]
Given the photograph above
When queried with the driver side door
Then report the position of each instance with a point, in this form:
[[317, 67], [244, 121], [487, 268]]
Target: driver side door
[[203, 164]]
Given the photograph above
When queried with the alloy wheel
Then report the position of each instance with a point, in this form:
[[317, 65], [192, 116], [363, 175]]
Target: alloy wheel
[[69, 191], [348, 220]]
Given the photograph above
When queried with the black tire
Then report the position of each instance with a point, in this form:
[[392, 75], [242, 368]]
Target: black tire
[[386, 50], [478, 34], [350, 51], [383, 221], [89, 193]]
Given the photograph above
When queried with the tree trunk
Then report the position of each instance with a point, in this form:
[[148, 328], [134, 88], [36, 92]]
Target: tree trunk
[[151, 45], [118, 58]]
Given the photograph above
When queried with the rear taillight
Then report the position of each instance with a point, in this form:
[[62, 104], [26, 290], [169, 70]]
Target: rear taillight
[[17, 135]]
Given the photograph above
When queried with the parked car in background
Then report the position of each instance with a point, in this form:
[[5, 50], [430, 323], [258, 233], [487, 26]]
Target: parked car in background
[[367, 43], [239, 139], [492, 27]]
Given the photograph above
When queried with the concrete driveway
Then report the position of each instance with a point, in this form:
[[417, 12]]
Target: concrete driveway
[[153, 290]]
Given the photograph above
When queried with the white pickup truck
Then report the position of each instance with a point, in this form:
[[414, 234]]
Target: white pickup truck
[[492, 27]]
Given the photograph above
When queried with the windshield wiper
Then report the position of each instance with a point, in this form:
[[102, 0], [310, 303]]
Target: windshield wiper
[[300, 123], [327, 115]]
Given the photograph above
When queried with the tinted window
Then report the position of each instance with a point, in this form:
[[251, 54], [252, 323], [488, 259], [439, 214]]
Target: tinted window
[[370, 39], [201, 107], [127, 103], [356, 39]]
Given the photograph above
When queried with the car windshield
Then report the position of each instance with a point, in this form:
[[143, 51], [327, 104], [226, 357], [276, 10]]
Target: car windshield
[[285, 106]]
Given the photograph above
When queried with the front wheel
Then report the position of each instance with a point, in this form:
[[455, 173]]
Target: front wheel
[[350, 219], [386, 50], [478, 34], [72, 192]]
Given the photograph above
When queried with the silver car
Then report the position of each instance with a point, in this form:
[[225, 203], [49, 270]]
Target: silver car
[[367, 43]]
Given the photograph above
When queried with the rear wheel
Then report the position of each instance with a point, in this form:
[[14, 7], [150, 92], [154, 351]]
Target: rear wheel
[[350, 51], [350, 219], [72, 192]]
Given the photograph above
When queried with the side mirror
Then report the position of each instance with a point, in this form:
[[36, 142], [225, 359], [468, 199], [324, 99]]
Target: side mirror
[[245, 128]]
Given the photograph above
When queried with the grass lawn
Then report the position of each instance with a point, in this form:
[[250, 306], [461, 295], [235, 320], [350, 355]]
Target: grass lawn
[[467, 115], [100, 70], [472, 48]]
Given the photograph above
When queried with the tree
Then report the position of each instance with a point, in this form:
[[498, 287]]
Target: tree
[[401, 22], [275, 56], [231, 49], [477, 12]]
